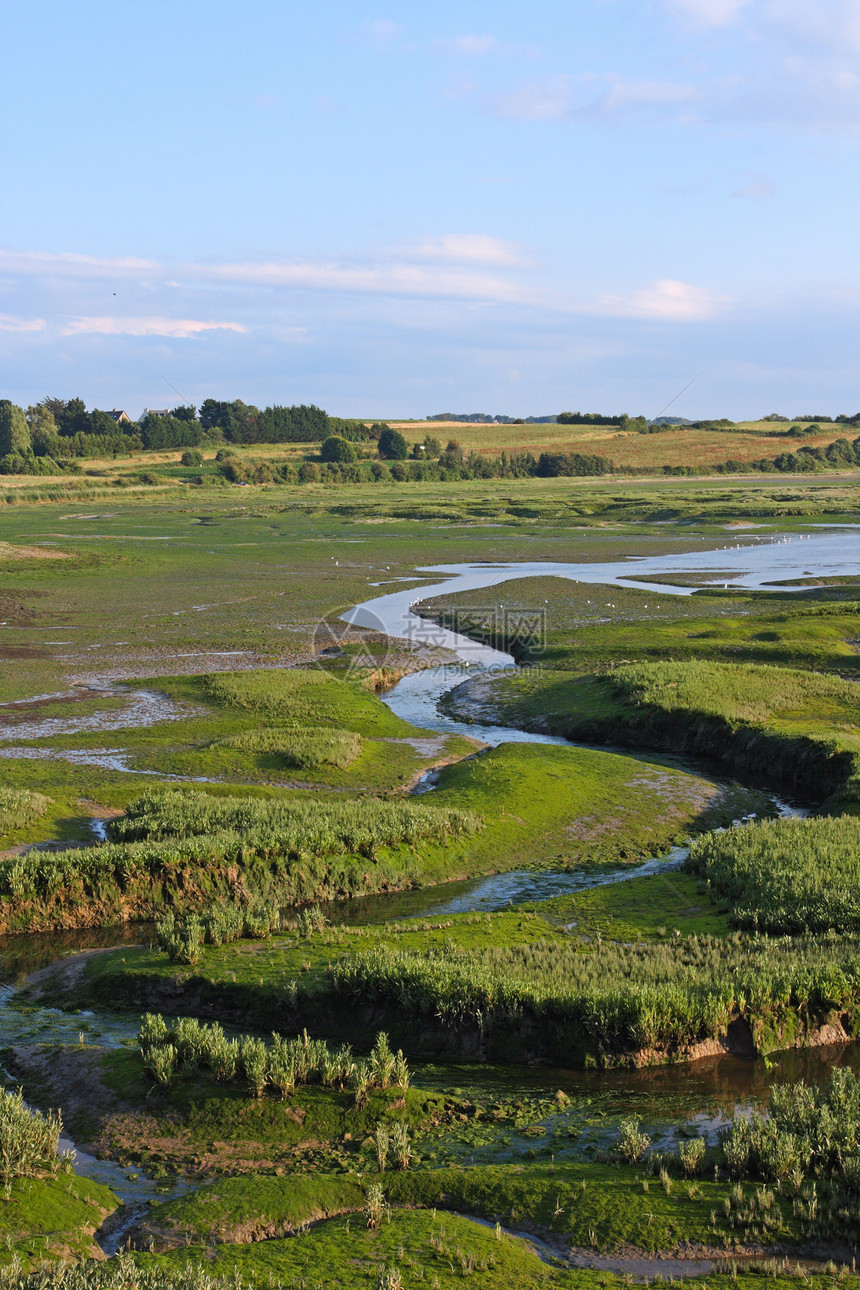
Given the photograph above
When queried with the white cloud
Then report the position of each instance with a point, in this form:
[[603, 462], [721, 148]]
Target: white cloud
[[666, 300], [476, 248], [176, 328], [708, 13], [535, 101], [39, 263], [832, 24], [8, 322]]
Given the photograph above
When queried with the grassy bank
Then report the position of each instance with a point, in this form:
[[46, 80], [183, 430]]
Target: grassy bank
[[517, 805], [792, 730], [506, 987]]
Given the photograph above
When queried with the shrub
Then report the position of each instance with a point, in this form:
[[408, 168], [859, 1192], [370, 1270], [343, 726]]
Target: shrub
[[192, 457], [632, 1142], [337, 449], [692, 1154], [392, 445], [178, 1052]]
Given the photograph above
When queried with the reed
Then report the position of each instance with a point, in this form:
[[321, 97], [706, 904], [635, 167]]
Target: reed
[[613, 999], [28, 1141], [19, 807], [180, 1051], [786, 875]]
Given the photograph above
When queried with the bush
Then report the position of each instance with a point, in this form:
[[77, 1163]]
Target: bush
[[192, 457], [392, 445], [336, 449], [181, 1051]]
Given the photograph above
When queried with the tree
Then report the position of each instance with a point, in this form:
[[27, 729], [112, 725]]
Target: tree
[[392, 445], [73, 419], [14, 431], [185, 412], [43, 431], [336, 449], [55, 406]]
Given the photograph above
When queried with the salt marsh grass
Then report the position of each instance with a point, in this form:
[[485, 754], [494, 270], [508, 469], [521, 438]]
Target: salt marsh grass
[[786, 875], [300, 746], [615, 999], [19, 807]]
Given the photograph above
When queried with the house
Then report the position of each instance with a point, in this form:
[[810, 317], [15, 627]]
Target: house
[[155, 412], [120, 417]]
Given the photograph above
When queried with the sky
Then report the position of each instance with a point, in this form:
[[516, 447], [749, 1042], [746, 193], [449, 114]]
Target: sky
[[501, 207]]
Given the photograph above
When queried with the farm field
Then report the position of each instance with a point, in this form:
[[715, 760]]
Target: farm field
[[332, 986]]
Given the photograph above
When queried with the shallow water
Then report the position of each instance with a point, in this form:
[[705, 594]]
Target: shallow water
[[757, 563]]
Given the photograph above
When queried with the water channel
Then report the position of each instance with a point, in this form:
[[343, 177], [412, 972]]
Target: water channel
[[705, 1091]]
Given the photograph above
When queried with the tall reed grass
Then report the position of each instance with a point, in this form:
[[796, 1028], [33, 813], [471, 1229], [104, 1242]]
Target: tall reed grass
[[28, 1140], [808, 1143], [19, 807], [121, 1273], [297, 828], [180, 1051], [187, 850], [786, 875], [613, 999]]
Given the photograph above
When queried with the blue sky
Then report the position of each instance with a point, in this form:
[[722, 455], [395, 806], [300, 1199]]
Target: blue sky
[[501, 207]]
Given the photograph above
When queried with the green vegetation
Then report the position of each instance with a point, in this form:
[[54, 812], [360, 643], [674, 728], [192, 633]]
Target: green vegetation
[[18, 808], [303, 776], [809, 1144], [301, 747], [304, 697], [786, 875], [46, 1222], [612, 1002], [182, 849], [28, 1141], [122, 1273], [180, 1052]]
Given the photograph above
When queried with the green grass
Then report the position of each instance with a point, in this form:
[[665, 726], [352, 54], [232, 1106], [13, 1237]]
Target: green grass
[[650, 908], [425, 1248], [792, 729], [516, 805], [52, 1219], [305, 697], [301, 747], [506, 987], [573, 1203]]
